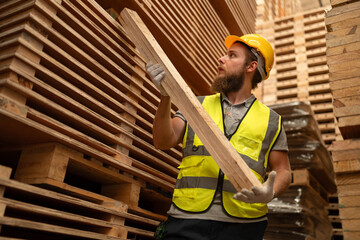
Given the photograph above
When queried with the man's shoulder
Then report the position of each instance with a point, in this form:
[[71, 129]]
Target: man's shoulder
[[267, 108]]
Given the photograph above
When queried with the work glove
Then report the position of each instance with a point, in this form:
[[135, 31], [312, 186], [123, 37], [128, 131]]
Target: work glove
[[262, 194], [157, 74]]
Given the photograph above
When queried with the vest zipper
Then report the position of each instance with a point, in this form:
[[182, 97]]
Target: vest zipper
[[220, 182]]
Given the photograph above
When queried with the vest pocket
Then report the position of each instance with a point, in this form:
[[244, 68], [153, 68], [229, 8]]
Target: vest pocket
[[189, 167], [248, 147]]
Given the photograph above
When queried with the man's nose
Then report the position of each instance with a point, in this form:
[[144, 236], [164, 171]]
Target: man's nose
[[222, 59]]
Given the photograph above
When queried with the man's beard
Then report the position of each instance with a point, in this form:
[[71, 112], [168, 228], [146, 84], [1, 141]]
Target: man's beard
[[226, 84]]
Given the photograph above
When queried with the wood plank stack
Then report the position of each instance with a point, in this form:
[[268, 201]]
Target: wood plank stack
[[243, 13], [343, 47], [301, 213], [30, 212], [76, 112], [192, 33], [300, 71]]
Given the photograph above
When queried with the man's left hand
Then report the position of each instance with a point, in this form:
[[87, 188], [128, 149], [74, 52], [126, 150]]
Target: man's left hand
[[258, 195]]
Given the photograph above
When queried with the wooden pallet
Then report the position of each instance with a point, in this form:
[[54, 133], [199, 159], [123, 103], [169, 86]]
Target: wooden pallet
[[68, 96], [190, 32], [301, 210], [302, 177], [62, 169], [300, 72], [35, 213]]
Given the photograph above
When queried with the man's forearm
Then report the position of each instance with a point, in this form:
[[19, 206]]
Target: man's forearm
[[282, 182], [162, 129]]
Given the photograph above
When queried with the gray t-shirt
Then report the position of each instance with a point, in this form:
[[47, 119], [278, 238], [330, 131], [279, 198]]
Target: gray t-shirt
[[233, 113]]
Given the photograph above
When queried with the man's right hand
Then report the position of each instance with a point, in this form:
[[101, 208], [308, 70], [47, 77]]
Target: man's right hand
[[157, 74]]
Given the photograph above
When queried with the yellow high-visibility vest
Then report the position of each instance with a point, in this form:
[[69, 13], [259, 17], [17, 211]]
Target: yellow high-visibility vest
[[200, 176]]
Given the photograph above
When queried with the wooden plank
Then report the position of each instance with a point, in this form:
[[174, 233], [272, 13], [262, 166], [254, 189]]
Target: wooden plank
[[349, 189], [343, 49], [349, 126], [348, 178], [347, 166], [349, 201], [346, 92], [351, 235], [214, 140], [338, 2], [345, 83], [350, 213], [350, 225]]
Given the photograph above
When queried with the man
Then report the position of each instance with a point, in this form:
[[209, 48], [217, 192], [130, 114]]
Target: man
[[205, 204]]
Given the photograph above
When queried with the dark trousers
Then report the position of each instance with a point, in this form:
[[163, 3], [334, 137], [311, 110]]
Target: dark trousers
[[193, 229]]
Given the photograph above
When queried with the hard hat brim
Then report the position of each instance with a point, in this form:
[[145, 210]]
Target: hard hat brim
[[230, 40]]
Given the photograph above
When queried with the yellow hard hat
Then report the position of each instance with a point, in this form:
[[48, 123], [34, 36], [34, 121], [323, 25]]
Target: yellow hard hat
[[260, 44]]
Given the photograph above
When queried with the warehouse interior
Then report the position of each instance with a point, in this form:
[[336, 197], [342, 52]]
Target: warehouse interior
[[77, 159]]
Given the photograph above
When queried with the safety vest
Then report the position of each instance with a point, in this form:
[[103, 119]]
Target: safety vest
[[200, 177]]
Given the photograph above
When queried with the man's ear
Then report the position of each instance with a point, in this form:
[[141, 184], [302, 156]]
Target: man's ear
[[252, 66]]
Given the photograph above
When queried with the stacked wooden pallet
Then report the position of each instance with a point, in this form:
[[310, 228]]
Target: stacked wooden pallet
[[178, 26], [76, 115], [346, 164], [243, 13], [76, 112], [30, 212], [300, 72], [300, 213], [192, 33], [343, 47]]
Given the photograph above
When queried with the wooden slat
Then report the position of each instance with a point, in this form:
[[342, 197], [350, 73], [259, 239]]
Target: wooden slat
[[220, 148]]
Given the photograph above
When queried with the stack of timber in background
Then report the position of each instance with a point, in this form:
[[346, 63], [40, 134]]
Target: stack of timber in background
[[301, 212], [192, 33], [76, 112], [343, 52], [300, 71]]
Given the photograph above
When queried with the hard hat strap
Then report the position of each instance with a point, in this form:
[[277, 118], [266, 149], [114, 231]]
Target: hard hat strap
[[261, 63]]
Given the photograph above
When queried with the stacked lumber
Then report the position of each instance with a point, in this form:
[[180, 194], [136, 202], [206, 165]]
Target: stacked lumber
[[76, 112], [30, 212], [243, 13], [192, 33], [301, 213], [300, 71], [346, 165], [343, 46]]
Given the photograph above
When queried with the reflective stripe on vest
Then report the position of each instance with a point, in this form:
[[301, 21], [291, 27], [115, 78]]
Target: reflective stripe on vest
[[199, 174]]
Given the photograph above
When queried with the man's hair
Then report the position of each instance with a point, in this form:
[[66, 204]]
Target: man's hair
[[249, 58]]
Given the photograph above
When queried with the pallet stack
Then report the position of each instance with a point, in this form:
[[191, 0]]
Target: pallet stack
[[76, 118], [300, 71], [301, 212], [343, 47], [76, 112]]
